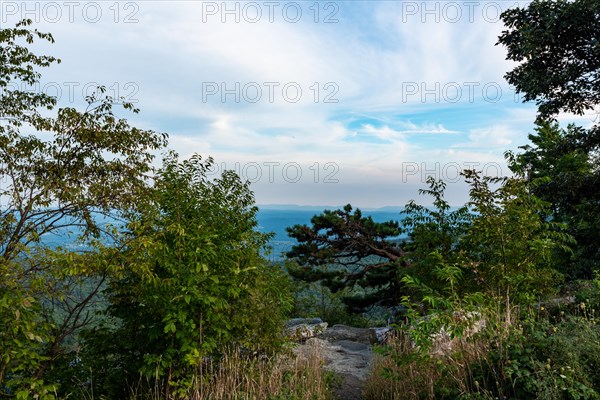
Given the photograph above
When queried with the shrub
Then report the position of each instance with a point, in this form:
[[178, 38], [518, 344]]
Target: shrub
[[194, 283], [543, 357]]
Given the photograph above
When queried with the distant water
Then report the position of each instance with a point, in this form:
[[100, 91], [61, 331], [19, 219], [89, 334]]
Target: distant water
[[277, 221], [269, 220]]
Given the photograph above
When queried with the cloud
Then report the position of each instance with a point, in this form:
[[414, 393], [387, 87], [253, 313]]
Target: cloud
[[353, 109], [389, 135], [497, 137], [587, 120]]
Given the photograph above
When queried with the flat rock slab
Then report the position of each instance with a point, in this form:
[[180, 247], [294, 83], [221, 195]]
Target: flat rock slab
[[350, 361], [353, 347], [343, 332], [346, 351], [303, 321], [348, 388]]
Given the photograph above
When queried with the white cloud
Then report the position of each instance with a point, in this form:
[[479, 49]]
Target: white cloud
[[401, 135], [498, 137], [368, 58], [589, 118]]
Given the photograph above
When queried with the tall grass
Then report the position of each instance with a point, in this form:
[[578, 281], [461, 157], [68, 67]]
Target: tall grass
[[537, 353], [447, 368], [404, 373], [239, 377]]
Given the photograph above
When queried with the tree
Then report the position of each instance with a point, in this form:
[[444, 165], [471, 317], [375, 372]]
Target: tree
[[93, 164], [195, 284], [343, 249], [434, 233], [500, 243], [557, 44], [504, 258], [510, 246], [565, 174]]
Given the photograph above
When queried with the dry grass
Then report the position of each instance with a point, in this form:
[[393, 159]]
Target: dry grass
[[404, 372], [236, 377], [413, 379], [419, 376]]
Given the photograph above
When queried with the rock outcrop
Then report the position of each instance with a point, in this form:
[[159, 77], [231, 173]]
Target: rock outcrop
[[346, 351], [304, 328]]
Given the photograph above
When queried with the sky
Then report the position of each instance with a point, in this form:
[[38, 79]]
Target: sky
[[313, 102]]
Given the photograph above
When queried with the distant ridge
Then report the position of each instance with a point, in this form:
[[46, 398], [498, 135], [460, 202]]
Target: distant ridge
[[297, 207], [292, 207]]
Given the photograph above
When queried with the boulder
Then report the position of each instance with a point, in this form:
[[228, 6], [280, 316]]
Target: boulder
[[303, 321], [345, 350], [382, 334], [343, 332], [304, 328]]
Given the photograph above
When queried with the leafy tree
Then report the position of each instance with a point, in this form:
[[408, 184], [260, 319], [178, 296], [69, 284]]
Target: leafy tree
[[510, 245], [196, 283], [346, 251], [92, 164], [565, 174], [557, 44], [502, 245], [461, 339], [499, 243], [433, 233]]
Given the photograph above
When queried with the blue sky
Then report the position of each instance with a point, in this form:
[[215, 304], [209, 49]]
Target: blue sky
[[316, 103]]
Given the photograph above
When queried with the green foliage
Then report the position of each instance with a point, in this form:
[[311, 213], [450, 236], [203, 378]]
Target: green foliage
[[352, 254], [510, 244], [523, 230], [433, 233], [542, 357], [505, 245], [195, 283], [557, 46], [183, 281], [501, 240], [93, 164], [562, 167], [545, 357], [464, 337], [21, 343], [588, 292], [427, 356], [313, 300], [345, 250], [19, 65]]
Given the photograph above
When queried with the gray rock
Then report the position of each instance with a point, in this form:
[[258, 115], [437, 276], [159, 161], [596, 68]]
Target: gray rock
[[302, 328], [342, 357], [382, 334], [346, 351], [343, 332], [352, 347], [303, 321], [349, 387]]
